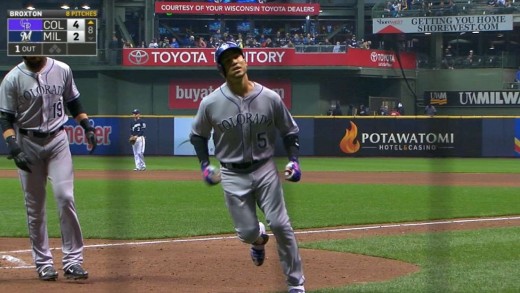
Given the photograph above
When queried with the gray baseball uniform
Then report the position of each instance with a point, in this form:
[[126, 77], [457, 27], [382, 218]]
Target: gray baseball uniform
[[38, 102], [244, 132]]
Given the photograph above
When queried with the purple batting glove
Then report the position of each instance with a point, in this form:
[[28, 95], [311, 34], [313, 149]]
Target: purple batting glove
[[292, 171]]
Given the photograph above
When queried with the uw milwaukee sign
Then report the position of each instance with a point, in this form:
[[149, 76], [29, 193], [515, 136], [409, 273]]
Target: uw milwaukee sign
[[473, 98], [437, 24]]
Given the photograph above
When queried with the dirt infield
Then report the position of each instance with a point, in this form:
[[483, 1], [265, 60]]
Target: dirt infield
[[221, 263]]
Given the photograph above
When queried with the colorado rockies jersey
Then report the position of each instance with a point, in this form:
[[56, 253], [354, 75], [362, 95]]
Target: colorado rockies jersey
[[138, 127], [38, 99], [244, 129]]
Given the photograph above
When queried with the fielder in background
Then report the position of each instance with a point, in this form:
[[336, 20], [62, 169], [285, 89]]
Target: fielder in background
[[245, 117], [33, 98], [137, 140]]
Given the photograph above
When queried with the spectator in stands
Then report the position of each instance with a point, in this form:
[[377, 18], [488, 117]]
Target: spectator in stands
[[127, 44], [191, 42], [439, 11], [365, 45], [400, 108], [383, 110], [115, 49], [395, 9], [217, 35], [201, 43], [430, 110], [277, 40], [353, 43], [517, 78], [326, 42], [335, 109], [409, 4], [363, 111], [289, 44], [470, 59], [166, 43], [261, 39], [153, 44], [174, 43], [297, 40], [447, 59], [251, 42], [337, 47], [309, 40], [268, 43], [212, 43]]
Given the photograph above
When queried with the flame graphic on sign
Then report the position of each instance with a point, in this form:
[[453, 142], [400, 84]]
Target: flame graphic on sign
[[349, 144], [517, 145]]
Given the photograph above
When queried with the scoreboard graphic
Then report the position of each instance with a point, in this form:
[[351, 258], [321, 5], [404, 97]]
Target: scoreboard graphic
[[52, 32]]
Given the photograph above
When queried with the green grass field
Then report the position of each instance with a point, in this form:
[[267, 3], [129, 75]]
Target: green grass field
[[483, 260]]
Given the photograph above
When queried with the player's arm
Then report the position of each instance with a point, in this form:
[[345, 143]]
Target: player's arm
[[15, 151], [78, 112], [292, 146], [7, 122], [210, 173], [201, 148]]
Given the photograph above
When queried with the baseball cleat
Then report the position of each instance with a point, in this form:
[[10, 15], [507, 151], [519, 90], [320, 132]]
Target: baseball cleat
[[258, 250], [48, 274], [76, 272], [296, 289], [258, 256]]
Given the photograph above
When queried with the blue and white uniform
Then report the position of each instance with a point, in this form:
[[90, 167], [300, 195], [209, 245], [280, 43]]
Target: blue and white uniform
[[137, 129]]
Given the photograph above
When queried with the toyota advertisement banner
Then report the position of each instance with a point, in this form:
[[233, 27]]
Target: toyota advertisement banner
[[187, 94], [237, 8], [197, 57]]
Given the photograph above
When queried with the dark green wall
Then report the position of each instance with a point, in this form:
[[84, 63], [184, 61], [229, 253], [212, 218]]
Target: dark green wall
[[487, 79], [106, 91]]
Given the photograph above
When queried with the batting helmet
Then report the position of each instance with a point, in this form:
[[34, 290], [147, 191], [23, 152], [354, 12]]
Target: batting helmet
[[223, 48], [136, 111]]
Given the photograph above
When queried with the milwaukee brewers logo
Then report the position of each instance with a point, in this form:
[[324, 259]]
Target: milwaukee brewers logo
[[26, 36], [138, 57]]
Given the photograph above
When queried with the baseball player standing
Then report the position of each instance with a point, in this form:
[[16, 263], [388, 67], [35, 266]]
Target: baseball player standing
[[245, 117], [33, 97], [138, 140]]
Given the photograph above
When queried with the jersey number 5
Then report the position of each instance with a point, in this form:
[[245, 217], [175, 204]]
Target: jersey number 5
[[261, 139]]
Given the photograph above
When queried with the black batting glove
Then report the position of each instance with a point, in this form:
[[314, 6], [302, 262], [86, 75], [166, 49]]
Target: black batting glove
[[15, 153], [91, 138], [90, 133]]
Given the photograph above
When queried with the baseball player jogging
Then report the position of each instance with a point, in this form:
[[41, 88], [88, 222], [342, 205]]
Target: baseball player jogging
[[245, 117], [137, 140], [33, 97]]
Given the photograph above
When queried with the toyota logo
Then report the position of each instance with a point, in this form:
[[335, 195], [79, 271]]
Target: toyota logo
[[373, 57], [138, 57]]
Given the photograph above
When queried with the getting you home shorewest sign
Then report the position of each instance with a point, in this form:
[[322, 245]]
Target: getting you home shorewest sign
[[437, 24]]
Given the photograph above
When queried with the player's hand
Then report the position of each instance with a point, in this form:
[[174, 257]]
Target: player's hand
[[15, 153], [91, 139], [292, 171], [210, 173], [22, 161]]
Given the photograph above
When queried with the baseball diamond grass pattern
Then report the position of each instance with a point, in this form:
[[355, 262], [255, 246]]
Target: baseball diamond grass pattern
[[463, 261]]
